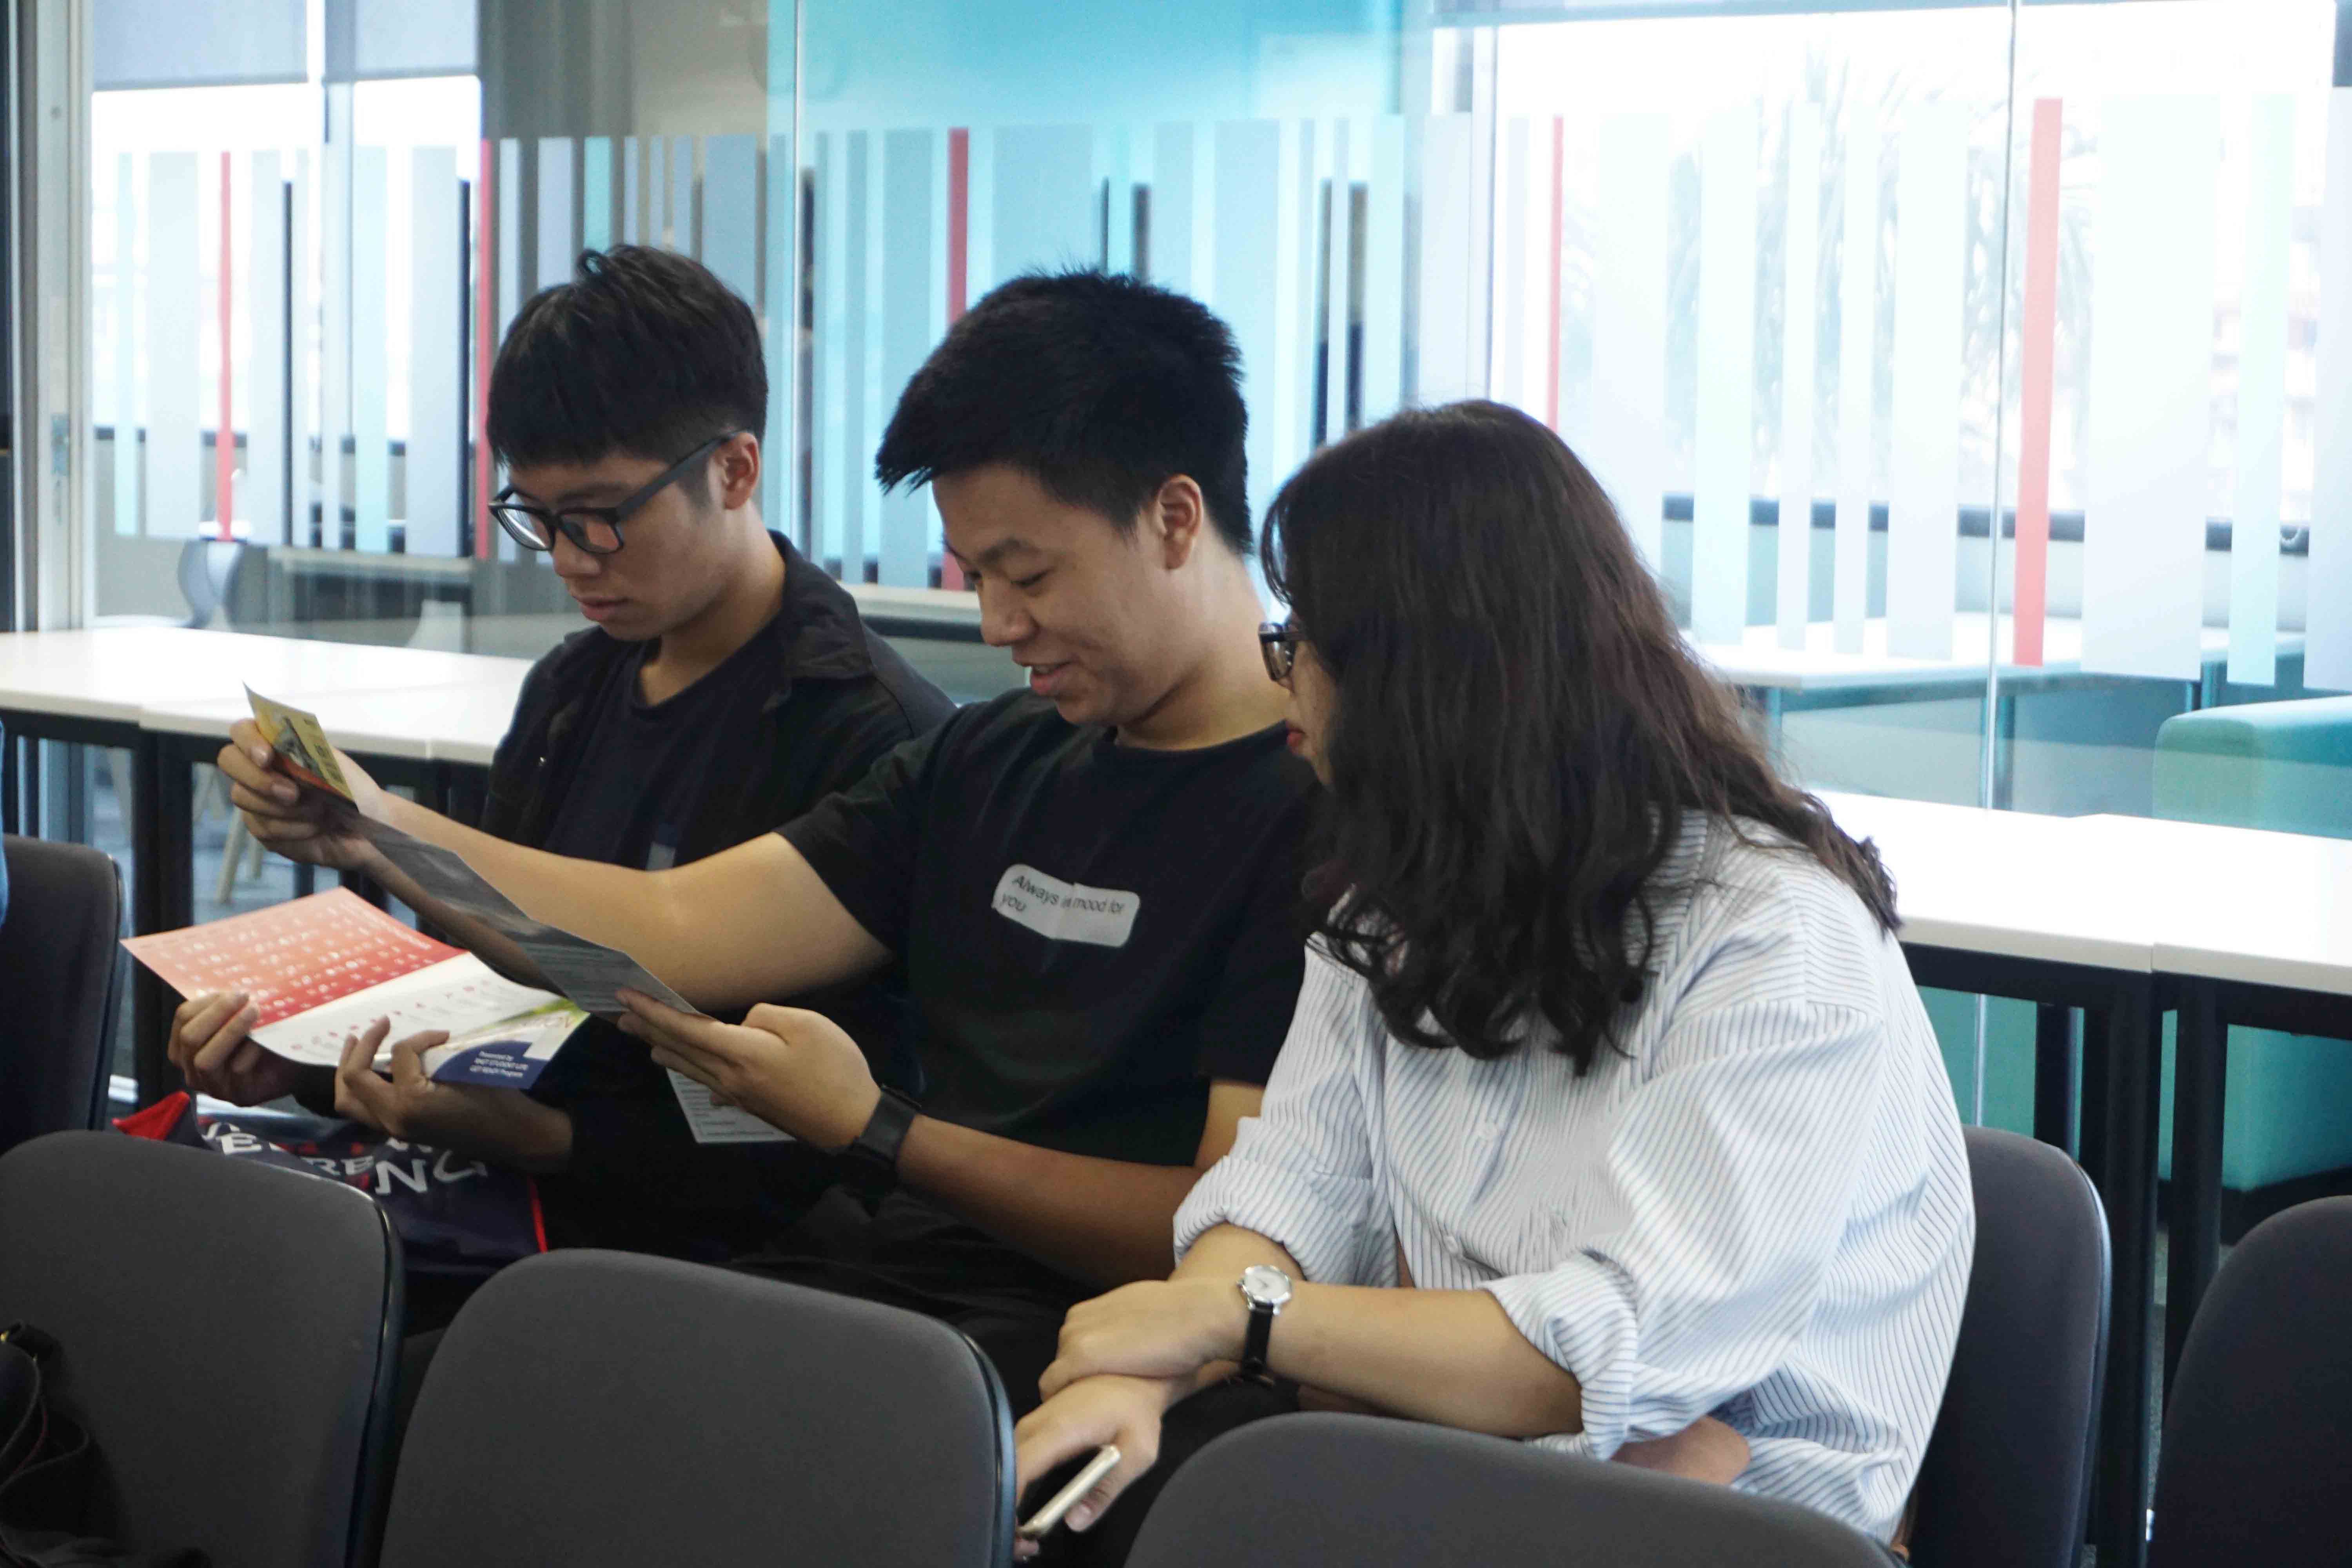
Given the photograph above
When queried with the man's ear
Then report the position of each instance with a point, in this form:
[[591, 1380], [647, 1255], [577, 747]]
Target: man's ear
[[735, 471], [1179, 515]]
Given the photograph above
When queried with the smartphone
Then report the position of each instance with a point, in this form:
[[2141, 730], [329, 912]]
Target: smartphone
[[1037, 1525]]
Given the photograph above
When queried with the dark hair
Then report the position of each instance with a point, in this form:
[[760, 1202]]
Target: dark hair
[[645, 352], [1518, 732], [1099, 386]]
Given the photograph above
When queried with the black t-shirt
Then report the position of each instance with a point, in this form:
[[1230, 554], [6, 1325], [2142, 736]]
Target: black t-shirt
[[1091, 932], [648, 774]]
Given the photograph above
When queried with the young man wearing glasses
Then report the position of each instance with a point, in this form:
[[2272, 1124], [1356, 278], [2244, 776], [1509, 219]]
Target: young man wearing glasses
[[726, 686], [1092, 884]]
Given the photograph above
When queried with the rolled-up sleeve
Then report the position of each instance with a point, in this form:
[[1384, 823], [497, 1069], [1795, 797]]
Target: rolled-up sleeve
[[1300, 1172], [1692, 1270]]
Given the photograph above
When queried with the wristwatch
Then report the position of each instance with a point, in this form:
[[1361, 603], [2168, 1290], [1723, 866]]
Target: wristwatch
[[1267, 1291], [869, 1165]]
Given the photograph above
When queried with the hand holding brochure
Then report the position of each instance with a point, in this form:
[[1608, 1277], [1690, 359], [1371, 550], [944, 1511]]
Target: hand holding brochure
[[589, 974], [324, 968], [300, 743]]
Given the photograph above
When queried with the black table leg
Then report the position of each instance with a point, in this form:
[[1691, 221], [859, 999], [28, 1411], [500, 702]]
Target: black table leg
[[365, 886], [2091, 1131], [2125, 1041], [2054, 1111], [163, 877], [2201, 1083], [466, 789]]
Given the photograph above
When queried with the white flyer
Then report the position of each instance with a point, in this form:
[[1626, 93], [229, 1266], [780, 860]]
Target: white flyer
[[711, 1122]]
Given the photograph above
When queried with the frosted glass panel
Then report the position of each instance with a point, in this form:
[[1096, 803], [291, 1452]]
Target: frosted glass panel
[[1513, 316], [1248, 166], [558, 245], [821, 413], [1857, 364], [175, 317], [371, 366], [596, 193], [1923, 478], [1450, 349], [264, 373], [1336, 217], [1627, 444], [781, 339], [129, 408], [2151, 386], [304, 398], [335, 343], [677, 184], [1045, 199], [2262, 394], [511, 283], [1384, 273], [1172, 195], [908, 294], [434, 473], [633, 195], [1793, 573], [1727, 377], [2330, 649], [842, 170], [730, 213]]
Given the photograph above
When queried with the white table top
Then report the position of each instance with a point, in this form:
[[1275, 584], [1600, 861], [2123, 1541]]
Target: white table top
[[2013, 884], [116, 673], [459, 724], [2237, 903], [2125, 894]]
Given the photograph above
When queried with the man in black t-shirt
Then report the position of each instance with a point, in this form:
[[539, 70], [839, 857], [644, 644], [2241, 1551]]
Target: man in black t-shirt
[[728, 686], [1090, 883]]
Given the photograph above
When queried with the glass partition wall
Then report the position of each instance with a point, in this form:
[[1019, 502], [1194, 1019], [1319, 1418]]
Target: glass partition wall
[[1975, 378]]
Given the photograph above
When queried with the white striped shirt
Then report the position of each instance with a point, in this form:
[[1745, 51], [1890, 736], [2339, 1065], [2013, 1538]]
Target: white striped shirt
[[1759, 1210]]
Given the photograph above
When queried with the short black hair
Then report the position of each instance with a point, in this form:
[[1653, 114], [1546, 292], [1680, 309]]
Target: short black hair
[[645, 352], [1098, 385]]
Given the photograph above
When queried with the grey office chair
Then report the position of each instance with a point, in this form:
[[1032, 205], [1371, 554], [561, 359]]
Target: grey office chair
[[228, 1335], [2258, 1436], [208, 574], [603, 1408], [1372, 1493], [60, 986], [2006, 1479]]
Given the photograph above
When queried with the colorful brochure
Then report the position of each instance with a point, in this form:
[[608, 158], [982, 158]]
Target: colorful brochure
[[327, 967]]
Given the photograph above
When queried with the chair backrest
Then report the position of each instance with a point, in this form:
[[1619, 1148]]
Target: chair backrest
[[2006, 1477], [229, 1333], [594, 1408], [60, 985], [2258, 1435], [1371, 1492], [208, 574]]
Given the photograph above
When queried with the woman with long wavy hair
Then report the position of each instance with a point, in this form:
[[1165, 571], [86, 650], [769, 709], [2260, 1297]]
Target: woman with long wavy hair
[[1606, 1046]]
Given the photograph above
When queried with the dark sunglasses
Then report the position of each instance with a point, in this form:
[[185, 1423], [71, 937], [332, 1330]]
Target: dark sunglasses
[[1279, 641], [595, 529]]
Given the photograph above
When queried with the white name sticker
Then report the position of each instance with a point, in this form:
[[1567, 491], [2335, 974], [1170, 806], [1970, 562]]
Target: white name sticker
[[1066, 911]]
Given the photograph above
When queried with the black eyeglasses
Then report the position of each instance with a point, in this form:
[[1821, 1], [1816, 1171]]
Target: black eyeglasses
[[1279, 641], [595, 529]]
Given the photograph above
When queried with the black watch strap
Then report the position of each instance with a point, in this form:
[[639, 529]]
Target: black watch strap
[[870, 1165], [1255, 1340]]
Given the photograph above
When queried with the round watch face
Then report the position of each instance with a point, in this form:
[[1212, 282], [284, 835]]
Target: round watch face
[[1264, 1286]]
